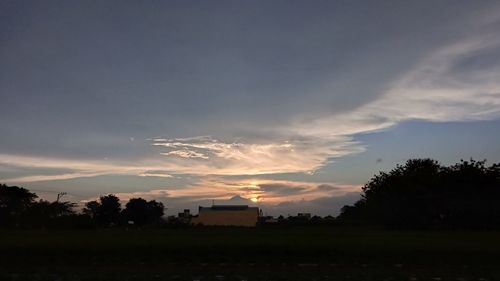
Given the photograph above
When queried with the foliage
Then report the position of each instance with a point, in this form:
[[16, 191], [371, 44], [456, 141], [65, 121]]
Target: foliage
[[44, 213], [14, 202], [422, 193], [142, 212], [106, 211], [18, 208]]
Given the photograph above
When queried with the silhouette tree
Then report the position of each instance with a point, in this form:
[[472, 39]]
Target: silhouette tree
[[62, 208], [44, 213], [142, 212], [53, 209], [156, 211], [106, 211], [423, 194], [92, 209], [14, 201], [110, 208]]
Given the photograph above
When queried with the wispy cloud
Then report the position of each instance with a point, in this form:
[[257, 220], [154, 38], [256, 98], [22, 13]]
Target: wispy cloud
[[159, 174], [440, 88], [77, 168], [260, 190], [210, 156], [38, 178], [185, 153]]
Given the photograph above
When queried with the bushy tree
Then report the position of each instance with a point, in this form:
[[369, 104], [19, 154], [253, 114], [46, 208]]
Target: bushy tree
[[14, 202], [106, 211], [422, 193], [142, 212], [44, 213], [92, 209], [19, 208]]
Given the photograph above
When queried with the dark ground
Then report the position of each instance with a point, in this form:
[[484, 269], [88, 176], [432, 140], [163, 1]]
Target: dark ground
[[312, 253]]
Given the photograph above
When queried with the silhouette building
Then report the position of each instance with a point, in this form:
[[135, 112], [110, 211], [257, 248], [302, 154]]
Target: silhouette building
[[184, 217], [227, 215]]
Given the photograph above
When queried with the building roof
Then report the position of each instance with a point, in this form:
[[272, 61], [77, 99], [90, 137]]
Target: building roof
[[227, 208]]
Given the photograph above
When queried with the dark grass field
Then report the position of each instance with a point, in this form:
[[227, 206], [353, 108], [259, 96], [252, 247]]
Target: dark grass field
[[249, 254]]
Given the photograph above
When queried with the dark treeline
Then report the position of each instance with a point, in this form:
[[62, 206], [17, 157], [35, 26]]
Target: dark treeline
[[299, 220], [424, 194], [420, 194], [20, 209]]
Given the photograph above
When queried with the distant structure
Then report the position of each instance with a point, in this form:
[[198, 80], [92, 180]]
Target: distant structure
[[227, 215], [184, 217], [304, 215]]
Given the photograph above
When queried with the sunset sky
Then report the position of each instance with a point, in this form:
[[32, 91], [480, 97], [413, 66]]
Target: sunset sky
[[288, 105]]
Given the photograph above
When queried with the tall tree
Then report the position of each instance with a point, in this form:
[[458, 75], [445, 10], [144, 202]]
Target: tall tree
[[109, 212], [156, 210]]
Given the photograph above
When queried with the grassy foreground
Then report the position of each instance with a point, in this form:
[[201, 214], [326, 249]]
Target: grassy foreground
[[248, 254]]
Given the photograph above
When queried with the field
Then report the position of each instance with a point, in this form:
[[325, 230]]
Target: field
[[248, 254]]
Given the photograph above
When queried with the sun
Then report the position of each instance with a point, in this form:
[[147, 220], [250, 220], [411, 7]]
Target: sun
[[254, 199]]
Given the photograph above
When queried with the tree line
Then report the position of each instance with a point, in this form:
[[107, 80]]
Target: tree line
[[19, 208]]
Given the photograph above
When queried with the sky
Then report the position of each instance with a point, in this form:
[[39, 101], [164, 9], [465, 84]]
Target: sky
[[291, 106]]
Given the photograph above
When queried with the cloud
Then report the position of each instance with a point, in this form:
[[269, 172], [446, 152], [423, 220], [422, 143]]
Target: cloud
[[157, 194], [38, 178], [160, 174], [327, 187], [440, 88], [206, 155], [323, 206], [281, 189], [185, 153], [76, 168]]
